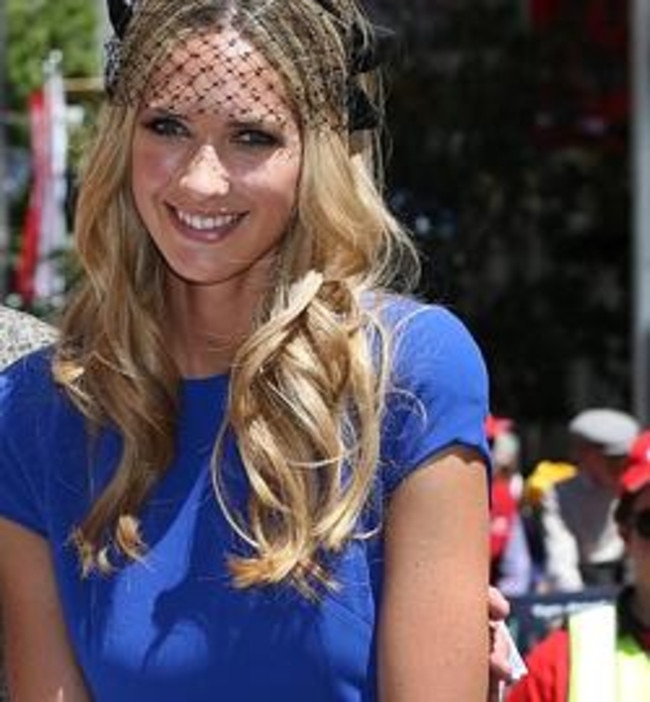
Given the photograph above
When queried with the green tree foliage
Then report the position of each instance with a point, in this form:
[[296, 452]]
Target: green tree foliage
[[35, 27]]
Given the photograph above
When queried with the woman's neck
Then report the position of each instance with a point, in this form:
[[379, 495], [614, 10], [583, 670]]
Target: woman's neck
[[207, 325]]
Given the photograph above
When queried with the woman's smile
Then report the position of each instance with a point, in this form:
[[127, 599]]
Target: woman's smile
[[205, 227]]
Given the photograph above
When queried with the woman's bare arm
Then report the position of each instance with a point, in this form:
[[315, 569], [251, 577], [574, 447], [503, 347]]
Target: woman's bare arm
[[39, 662], [433, 636]]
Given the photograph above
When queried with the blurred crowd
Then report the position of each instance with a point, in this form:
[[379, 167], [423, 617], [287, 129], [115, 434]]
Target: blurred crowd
[[553, 526], [572, 538]]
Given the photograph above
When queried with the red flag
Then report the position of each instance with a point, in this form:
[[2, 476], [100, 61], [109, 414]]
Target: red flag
[[32, 226], [45, 231]]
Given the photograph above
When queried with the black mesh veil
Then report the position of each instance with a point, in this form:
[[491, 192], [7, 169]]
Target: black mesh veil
[[163, 53]]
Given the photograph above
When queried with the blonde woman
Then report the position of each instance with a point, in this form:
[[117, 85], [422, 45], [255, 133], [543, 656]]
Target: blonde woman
[[246, 470]]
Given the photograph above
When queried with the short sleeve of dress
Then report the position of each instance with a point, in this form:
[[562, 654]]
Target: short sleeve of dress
[[438, 392], [22, 484]]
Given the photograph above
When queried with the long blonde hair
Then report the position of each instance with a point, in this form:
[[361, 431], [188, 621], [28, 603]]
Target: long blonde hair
[[306, 387]]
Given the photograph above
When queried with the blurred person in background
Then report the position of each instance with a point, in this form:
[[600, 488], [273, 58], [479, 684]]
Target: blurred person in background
[[544, 475], [21, 333], [582, 544], [603, 654], [510, 561]]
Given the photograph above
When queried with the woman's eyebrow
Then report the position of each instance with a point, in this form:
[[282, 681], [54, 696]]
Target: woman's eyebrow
[[253, 121], [161, 111], [256, 121]]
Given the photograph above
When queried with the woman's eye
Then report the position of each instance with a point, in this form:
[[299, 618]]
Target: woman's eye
[[166, 126], [257, 137]]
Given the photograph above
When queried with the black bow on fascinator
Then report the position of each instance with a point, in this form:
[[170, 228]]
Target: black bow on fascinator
[[119, 13], [367, 53]]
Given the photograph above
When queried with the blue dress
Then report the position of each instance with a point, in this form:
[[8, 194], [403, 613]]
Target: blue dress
[[173, 627]]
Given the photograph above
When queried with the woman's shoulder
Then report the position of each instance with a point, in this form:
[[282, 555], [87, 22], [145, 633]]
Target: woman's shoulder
[[33, 423], [427, 334], [27, 384], [437, 395], [405, 314]]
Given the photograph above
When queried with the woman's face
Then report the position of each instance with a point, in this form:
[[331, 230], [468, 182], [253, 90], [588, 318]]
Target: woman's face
[[216, 159]]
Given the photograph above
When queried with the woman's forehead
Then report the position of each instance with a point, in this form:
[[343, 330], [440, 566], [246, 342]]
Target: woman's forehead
[[218, 71]]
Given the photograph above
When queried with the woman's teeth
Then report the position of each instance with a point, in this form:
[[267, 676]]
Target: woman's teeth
[[206, 223]]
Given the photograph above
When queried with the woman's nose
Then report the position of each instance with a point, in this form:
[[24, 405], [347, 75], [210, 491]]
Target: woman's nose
[[205, 174]]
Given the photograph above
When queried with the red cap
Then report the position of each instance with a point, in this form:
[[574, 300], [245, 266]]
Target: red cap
[[637, 474], [497, 425]]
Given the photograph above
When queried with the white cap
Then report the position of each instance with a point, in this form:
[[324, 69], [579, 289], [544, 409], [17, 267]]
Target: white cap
[[611, 429]]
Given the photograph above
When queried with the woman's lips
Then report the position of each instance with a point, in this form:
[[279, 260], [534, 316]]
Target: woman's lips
[[204, 227]]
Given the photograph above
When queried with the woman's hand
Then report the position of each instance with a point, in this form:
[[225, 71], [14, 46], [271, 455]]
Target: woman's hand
[[500, 670], [502, 649]]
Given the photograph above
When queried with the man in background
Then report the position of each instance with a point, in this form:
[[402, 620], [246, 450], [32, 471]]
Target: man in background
[[582, 545], [21, 333]]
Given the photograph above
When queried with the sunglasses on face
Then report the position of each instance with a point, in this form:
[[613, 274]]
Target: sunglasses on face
[[641, 522]]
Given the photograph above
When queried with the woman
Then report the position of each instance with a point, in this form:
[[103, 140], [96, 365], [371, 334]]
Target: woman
[[246, 471]]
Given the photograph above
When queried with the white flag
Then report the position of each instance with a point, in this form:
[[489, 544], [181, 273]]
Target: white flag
[[50, 281]]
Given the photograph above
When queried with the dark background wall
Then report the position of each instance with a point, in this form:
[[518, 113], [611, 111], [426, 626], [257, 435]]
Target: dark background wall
[[509, 159]]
